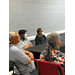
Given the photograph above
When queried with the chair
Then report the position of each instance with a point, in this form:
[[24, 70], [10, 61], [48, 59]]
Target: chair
[[12, 65], [48, 68]]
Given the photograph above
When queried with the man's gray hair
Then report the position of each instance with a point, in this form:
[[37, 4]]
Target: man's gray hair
[[11, 35]]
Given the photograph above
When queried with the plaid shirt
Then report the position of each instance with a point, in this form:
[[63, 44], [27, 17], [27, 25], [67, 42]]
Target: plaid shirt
[[57, 56]]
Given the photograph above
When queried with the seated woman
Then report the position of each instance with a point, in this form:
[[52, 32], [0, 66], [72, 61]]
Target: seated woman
[[52, 52]]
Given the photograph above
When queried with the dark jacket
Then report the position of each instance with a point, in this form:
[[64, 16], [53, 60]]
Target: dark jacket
[[40, 40]]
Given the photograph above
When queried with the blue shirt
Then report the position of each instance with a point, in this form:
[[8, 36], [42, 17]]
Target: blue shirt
[[17, 55]]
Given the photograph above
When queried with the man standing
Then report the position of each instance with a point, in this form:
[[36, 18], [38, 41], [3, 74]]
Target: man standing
[[24, 42], [40, 37], [20, 57]]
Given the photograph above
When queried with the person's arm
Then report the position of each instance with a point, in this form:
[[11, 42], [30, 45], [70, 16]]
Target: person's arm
[[29, 54], [29, 60], [26, 46], [31, 46], [22, 57], [37, 42]]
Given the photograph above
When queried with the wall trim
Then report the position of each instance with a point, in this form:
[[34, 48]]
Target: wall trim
[[33, 37]]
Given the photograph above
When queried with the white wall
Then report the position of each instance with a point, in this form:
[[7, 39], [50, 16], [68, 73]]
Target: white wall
[[31, 14]]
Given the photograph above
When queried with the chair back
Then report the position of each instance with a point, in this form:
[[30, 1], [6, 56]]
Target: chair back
[[13, 65], [48, 68]]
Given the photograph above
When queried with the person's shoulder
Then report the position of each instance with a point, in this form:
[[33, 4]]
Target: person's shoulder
[[13, 47], [25, 39], [36, 36], [44, 36]]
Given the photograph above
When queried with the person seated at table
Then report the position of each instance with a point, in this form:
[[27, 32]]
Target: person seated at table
[[22, 58], [24, 42], [52, 52], [40, 37]]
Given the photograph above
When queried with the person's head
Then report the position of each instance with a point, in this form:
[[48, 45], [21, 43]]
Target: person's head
[[54, 38], [40, 31], [22, 33], [53, 41], [14, 38]]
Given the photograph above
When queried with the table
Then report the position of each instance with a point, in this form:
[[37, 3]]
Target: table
[[36, 50]]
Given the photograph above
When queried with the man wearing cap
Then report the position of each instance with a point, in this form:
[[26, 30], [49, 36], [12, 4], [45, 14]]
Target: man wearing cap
[[24, 42]]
